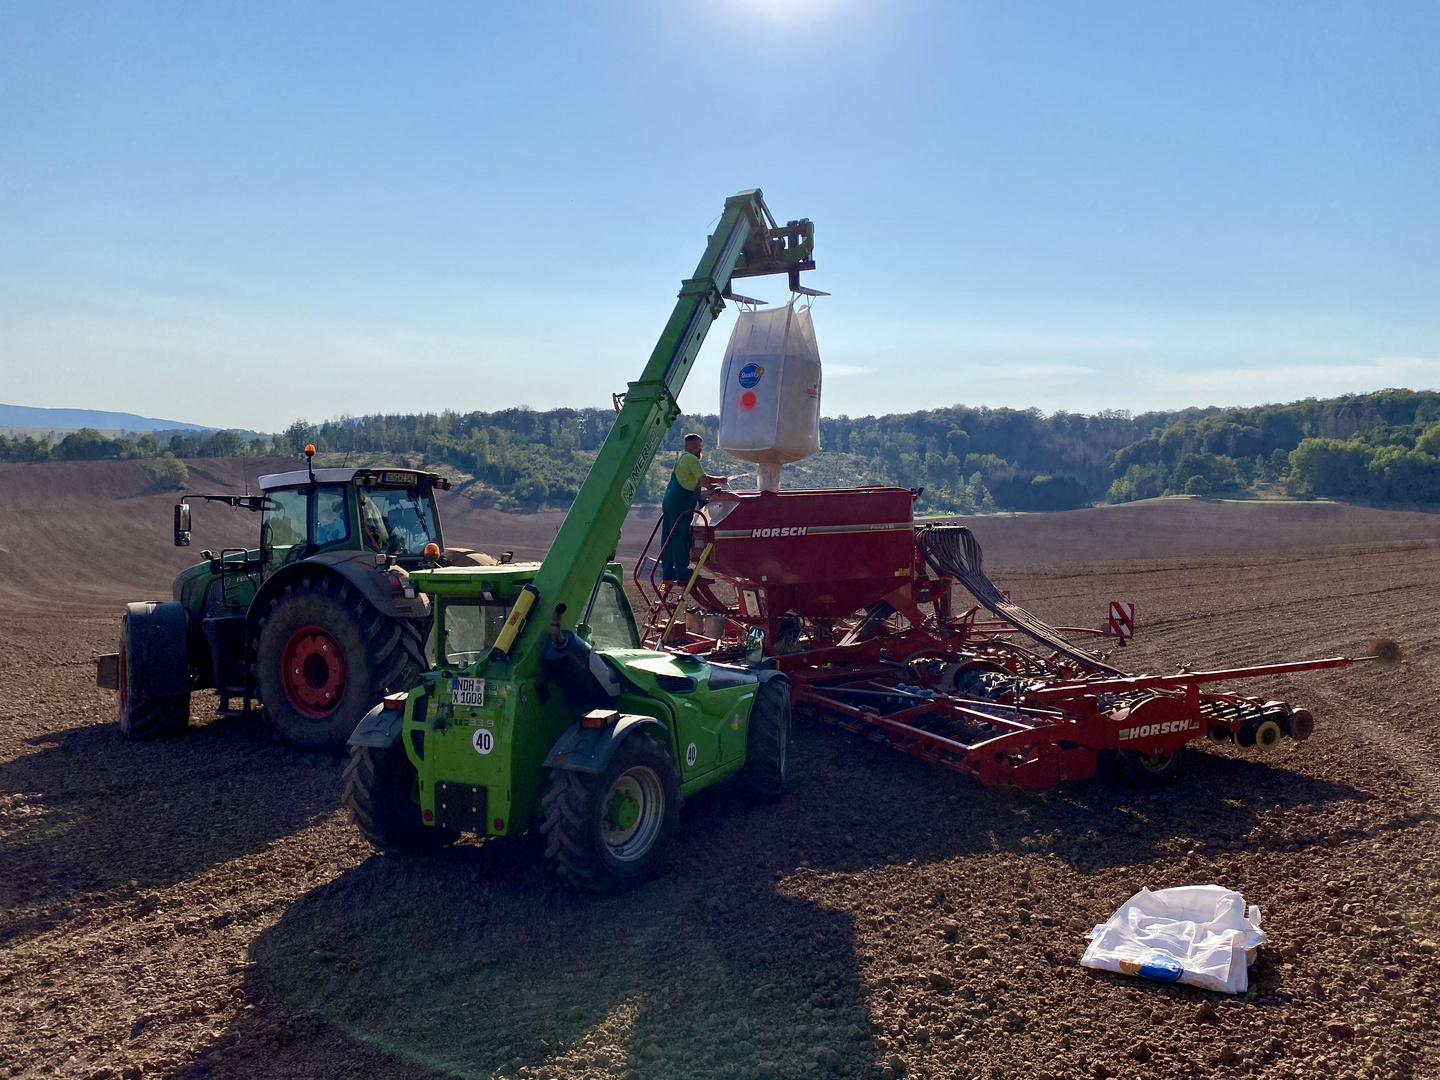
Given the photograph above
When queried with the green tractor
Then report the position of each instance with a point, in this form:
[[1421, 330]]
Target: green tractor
[[540, 709], [318, 622]]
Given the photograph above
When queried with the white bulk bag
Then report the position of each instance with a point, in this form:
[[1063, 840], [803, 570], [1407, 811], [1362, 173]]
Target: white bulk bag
[[770, 390], [1195, 934]]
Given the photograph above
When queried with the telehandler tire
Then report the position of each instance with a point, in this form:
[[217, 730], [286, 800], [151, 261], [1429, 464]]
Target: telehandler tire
[[324, 657], [767, 742], [145, 717], [1150, 770], [604, 830], [380, 796]]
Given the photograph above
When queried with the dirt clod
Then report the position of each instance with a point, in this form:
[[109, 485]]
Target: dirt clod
[[1341, 1029]]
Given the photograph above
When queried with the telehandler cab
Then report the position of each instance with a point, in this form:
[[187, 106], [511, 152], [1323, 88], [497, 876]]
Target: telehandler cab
[[541, 707], [319, 621]]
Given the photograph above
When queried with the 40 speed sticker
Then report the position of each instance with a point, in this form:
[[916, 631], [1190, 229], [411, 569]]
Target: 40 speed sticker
[[483, 740]]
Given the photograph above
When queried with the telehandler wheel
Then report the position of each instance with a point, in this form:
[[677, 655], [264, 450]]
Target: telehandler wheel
[[1150, 770], [767, 743], [605, 829], [146, 717], [380, 793], [324, 657]]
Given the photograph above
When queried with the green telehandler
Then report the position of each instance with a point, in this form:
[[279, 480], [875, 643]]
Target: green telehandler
[[540, 707]]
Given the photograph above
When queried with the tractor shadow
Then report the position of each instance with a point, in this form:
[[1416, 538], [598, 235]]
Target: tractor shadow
[[478, 961], [94, 818]]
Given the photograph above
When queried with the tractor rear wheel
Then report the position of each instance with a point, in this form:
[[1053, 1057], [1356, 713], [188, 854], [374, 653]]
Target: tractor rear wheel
[[604, 830], [146, 717], [767, 743], [1150, 770], [324, 657], [380, 794]]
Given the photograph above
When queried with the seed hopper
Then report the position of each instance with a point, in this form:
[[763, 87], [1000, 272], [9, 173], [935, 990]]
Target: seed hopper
[[855, 602]]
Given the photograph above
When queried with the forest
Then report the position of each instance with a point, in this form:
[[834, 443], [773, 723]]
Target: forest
[[1381, 448]]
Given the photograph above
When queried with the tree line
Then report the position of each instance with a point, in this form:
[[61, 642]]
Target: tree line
[[1382, 448]]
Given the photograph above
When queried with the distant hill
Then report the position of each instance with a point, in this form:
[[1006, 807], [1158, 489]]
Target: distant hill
[[1381, 449], [26, 416]]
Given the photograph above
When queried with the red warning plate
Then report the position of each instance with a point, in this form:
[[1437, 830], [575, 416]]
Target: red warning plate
[[1122, 619]]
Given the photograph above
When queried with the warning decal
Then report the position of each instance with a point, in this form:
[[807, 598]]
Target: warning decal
[[1122, 619]]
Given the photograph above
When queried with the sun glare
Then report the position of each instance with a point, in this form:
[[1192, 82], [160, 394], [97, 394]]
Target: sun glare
[[792, 12]]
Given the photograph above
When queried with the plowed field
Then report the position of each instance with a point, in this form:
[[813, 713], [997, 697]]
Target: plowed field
[[198, 907]]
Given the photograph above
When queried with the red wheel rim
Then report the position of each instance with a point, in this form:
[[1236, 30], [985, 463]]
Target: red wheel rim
[[312, 672]]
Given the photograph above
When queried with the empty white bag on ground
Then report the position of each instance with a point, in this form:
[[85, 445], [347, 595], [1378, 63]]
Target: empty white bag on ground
[[770, 390], [1200, 935]]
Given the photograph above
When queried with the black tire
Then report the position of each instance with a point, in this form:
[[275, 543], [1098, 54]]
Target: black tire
[[146, 717], [377, 654], [591, 847], [1150, 770], [767, 742], [380, 796]]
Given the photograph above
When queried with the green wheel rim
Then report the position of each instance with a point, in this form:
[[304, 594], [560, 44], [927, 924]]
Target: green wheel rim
[[632, 813]]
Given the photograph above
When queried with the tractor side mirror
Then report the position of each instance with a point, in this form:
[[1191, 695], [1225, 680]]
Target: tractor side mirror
[[182, 524], [754, 645]]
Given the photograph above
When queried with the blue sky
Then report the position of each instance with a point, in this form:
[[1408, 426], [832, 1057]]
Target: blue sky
[[240, 214]]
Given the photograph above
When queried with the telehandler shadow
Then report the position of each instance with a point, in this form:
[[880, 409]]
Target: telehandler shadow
[[94, 817], [478, 961]]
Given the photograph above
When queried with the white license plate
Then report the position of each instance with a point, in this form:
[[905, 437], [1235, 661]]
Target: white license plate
[[467, 691]]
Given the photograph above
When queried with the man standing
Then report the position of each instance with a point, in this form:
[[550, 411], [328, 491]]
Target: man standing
[[682, 495]]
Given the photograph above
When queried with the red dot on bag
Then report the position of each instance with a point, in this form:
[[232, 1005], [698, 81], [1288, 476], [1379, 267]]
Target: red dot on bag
[[747, 399]]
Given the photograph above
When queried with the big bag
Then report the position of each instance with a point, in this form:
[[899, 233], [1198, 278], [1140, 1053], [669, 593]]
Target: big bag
[[770, 389], [1200, 935]]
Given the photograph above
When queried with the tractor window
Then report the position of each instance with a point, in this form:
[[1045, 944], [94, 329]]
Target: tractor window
[[610, 624], [332, 524], [470, 630], [396, 521], [283, 528]]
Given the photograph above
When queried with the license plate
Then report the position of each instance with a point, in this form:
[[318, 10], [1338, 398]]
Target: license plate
[[467, 691]]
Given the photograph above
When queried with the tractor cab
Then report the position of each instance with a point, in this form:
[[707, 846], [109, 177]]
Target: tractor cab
[[387, 512]]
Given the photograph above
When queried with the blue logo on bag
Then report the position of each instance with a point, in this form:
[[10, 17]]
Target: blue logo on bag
[[750, 375], [1161, 968]]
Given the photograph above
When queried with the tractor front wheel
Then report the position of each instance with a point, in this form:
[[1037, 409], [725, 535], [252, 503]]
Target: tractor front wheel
[[324, 657], [604, 830], [1150, 770], [380, 794], [767, 742], [145, 717]]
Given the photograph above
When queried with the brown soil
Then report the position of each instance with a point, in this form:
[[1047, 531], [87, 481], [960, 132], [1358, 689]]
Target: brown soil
[[199, 908]]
